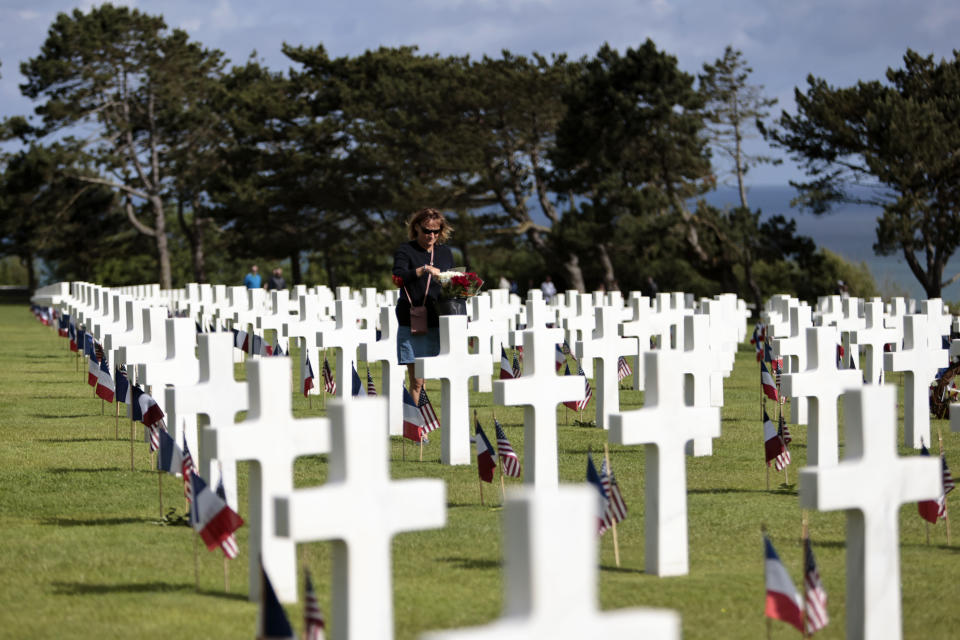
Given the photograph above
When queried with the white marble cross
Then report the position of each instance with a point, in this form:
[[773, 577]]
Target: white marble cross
[[873, 337], [345, 338], [694, 362], [278, 316], [665, 425], [920, 358], [309, 327], [793, 350], [642, 327], [129, 332], [218, 396], [482, 327], [608, 346], [271, 440], [179, 366], [152, 349], [870, 484], [822, 383], [454, 366], [539, 390], [384, 351], [722, 339], [550, 581], [361, 509], [579, 326]]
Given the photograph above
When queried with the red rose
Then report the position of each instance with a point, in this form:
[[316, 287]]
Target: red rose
[[397, 280]]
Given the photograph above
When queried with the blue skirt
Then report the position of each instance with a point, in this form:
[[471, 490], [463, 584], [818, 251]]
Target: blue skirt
[[410, 347]]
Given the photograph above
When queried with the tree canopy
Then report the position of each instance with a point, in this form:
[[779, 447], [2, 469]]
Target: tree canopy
[[187, 168]]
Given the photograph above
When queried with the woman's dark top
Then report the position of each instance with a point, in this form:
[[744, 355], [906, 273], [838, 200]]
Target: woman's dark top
[[409, 257]]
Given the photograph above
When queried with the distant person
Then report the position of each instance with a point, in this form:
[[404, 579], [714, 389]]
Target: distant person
[[252, 280], [842, 289], [548, 289], [276, 281], [514, 287], [650, 288], [503, 283]]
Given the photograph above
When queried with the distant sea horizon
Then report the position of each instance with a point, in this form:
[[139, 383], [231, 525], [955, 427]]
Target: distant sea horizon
[[849, 231]]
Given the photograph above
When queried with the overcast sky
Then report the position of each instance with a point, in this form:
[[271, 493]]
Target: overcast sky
[[783, 41]]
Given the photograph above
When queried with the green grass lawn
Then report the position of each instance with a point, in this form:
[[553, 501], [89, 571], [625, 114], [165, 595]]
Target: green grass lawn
[[85, 555]]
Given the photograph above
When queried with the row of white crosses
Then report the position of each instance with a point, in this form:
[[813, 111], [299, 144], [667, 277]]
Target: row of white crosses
[[872, 536], [810, 357]]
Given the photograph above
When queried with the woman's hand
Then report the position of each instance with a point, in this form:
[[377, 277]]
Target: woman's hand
[[428, 268]]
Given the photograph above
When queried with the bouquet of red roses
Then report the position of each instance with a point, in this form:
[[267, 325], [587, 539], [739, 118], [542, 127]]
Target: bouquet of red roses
[[459, 285]]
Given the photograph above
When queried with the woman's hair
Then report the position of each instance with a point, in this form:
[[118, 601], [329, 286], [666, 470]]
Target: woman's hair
[[419, 218]]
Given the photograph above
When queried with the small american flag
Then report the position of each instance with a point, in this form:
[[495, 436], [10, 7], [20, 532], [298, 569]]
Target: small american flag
[[587, 389], [371, 388], [516, 365], [508, 457], [623, 368], [785, 431], [153, 430], [329, 385], [815, 598], [229, 545], [948, 486], [430, 420], [313, 622], [616, 508], [185, 468]]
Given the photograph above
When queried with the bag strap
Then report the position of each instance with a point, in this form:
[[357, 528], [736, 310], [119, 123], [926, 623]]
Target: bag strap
[[427, 291]]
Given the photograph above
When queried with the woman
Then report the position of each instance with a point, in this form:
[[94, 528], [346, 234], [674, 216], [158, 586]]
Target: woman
[[416, 263]]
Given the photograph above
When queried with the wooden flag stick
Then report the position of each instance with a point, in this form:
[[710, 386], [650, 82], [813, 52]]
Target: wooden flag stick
[[804, 534], [479, 481], [102, 402], [196, 561], [421, 446], [160, 490], [226, 575], [116, 422], [131, 445], [946, 512], [310, 399], [616, 544]]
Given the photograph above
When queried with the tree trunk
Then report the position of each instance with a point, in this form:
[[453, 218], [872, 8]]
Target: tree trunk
[[296, 277], [574, 273], [163, 251], [752, 285], [27, 261], [609, 276]]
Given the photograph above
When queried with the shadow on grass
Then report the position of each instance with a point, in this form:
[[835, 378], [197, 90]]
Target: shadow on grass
[[615, 569], [66, 470], [44, 356], [58, 416], [62, 440], [787, 490], [472, 563], [93, 522], [84, 589]]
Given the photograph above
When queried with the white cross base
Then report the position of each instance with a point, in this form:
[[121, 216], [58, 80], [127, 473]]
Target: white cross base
[[873, 539], [362, 509], [550, 586]]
